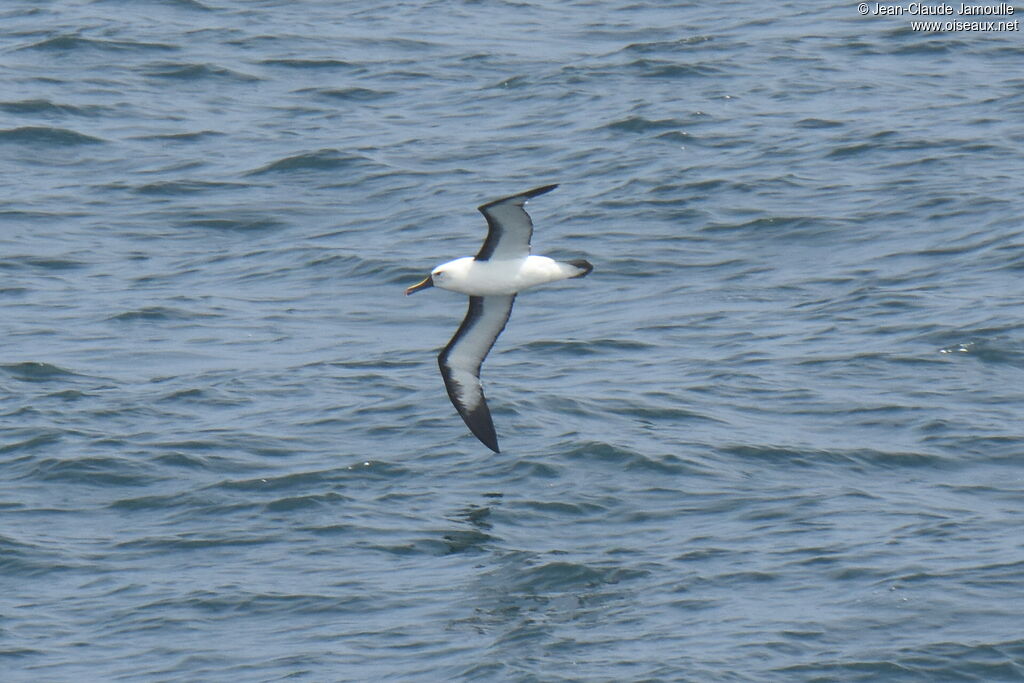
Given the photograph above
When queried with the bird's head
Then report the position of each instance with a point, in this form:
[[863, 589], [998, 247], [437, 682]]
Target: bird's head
[[426, 282], [450, 275]]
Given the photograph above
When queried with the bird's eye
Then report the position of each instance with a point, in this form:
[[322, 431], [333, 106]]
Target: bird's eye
[[439, 274]]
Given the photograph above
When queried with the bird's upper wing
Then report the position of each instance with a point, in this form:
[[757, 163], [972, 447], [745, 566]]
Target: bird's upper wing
[[509, 227], [460, 362]]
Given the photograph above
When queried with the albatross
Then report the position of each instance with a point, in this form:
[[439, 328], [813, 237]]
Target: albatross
[[501, 269]]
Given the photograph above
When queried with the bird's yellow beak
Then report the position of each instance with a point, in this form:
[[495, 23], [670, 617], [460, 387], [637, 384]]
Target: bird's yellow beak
[[427, 282]]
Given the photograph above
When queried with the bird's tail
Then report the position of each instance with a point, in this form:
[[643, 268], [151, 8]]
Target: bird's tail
[[584, 266]]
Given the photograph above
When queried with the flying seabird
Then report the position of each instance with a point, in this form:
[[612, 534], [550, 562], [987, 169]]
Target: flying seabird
[[501, 269]]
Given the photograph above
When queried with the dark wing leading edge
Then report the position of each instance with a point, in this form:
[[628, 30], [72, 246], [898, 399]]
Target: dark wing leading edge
[[460, 362], [509, 227]]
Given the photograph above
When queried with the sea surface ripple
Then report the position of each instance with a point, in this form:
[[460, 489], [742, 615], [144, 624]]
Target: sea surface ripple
[[775, 436]]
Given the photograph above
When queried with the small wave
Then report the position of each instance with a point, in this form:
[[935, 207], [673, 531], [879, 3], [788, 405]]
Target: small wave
[[182, 460], [48, 108], [95, 470], [976, 661], [184, 187], [818, 123], [155, 502], [68, 395], [190, 4], [33, 443], [555, 577], [816, 458], [45, 135], [677, 136], [464, 540], [321, 160], [309, 63], [560, 508], [304, 481], [170, 544], [184, 137], [996, 352], [651, 410], [352, 94], [196, 72], [32, 371], [72, 42], [304, 502], [22, 559], [650, 68], [246, 602], [563, 347], [776, 224], [154, 313], [668, 46], [929, 46], [45, 263], [206, 397], [513, 83], [239, 222], [626, 459], [639, 124], [845, 151]]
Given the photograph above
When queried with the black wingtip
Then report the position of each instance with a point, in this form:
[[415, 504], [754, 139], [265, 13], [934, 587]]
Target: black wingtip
[[530, 194], [585, 265], [480, 423]]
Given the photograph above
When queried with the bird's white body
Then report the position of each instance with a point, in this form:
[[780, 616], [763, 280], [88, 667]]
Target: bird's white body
[[508, 276]]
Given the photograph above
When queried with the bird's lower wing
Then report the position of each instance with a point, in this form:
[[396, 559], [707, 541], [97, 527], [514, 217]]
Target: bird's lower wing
[[460, 362]]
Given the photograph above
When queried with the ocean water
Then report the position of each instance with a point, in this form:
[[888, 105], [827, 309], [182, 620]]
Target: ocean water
[[775, 435]]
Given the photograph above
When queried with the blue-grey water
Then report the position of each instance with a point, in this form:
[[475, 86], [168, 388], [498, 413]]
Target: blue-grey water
[[776, 435]]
